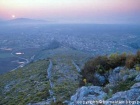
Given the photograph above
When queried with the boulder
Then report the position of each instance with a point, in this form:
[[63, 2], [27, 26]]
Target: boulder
[[137, 78], [122, 74], [136, 85], [138, 99], [85, 95], [126, 97], [101, 79], [117, 69], [114, 76]]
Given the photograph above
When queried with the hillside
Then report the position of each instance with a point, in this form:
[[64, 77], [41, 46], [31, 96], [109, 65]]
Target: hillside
[[28, 84], [109, 80], [54, 75]]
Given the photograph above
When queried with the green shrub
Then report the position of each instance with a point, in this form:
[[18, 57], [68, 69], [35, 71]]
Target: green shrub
[[98, 64], [138, 57], [102, 64], [123, 86], [116, 60], [130, 61], [137, 67]]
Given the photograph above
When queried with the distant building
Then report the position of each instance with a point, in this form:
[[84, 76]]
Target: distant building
[[6, 49], [19, 53]]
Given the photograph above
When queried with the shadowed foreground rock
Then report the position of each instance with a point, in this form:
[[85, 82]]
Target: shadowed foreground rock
[[137, 78], [92, 95], [127, 97], [85, 94]]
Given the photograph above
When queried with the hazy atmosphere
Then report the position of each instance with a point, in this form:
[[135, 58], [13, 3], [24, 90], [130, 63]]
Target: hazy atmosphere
[[73, 11], [69, 52]]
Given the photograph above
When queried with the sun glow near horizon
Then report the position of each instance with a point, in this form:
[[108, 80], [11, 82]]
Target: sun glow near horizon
[[13, 16], [73, 10]]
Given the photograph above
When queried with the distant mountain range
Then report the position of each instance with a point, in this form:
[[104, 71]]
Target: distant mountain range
[[24, 21]]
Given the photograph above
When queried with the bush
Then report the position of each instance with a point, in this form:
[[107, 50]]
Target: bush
[[137, 67], [138, 57], [130, 61], [116, 60], [102, 64], [99, 65]]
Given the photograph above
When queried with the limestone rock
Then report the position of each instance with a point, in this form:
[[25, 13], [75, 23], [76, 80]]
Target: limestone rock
[[136, 85], [137, 78], [132, 95], [85, 94], [101, 79], [121, 74]]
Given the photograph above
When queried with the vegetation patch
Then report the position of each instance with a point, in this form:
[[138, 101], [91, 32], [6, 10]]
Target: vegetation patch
[[64, 90], [25, 85], [103, 64]]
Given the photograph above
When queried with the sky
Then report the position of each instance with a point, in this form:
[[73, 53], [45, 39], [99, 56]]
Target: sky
[[73, 11]]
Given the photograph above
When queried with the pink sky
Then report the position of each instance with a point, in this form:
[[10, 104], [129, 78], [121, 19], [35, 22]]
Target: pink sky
[[95, 11]]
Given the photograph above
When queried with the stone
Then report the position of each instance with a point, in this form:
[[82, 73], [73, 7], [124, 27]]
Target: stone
[[137, 78], [114, 75], [120, 74], [101, 79], [125, 77], [87, 94], [132, 95], [83, 91], [138, 99], [136, 85], [113, 78], [117, 69]]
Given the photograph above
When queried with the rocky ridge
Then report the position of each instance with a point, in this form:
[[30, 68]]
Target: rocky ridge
[[95, 95]]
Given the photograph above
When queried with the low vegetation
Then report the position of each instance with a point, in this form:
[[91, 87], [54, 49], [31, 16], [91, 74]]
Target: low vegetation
[[25, 85]]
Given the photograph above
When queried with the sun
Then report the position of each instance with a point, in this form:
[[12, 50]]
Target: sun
[[13, 16]]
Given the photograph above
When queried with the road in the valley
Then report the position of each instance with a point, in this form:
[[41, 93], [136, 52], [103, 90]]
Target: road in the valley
[[26, 60]]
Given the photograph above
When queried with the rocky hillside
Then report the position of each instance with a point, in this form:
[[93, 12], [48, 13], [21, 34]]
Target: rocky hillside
[[110, 80], [55, 75], [123, 89]]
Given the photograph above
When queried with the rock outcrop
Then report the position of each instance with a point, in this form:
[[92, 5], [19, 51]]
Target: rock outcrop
[[100, 79], [94, 95], [84, 95], [122, 74], [128, 97]]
